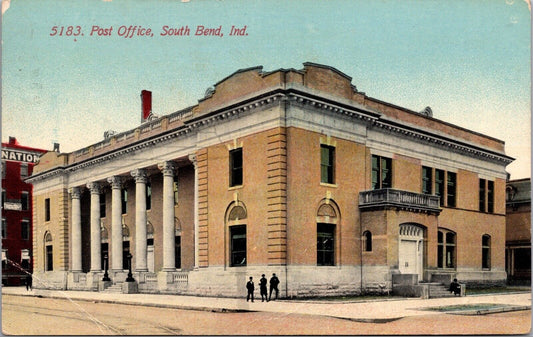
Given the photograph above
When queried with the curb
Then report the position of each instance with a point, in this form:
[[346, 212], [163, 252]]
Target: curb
[[489, 311], [136, 303], [201, 308]]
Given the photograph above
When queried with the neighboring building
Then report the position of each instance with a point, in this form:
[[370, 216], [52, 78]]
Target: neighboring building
[[292, 172], [17, 165], [518, 231]]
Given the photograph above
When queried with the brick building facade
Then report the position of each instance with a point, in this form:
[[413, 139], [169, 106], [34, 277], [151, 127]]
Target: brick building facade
[[293, 172], [17, 164], [518, 231]]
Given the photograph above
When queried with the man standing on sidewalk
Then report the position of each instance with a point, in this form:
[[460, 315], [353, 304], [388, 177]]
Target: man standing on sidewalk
[[250, 287], [28, 282], [263, 288], [274, 281]]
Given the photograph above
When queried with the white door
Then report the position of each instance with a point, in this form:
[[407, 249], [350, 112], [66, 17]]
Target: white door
[[150, 258], [411, 250], [408, 257]]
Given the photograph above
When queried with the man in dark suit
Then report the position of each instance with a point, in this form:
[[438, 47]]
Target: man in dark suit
[[263, 288], [274, 281], [250, 287]]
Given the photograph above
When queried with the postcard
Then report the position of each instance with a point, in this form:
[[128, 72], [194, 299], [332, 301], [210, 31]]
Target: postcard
[[216, 167]]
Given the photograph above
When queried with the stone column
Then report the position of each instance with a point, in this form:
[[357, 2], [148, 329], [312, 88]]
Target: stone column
[[96, 245], [169, 257], [116, 223], [194, 161], [75, 194], [140, 220]]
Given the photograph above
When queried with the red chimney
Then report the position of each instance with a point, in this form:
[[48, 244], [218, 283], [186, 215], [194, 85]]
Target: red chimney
[[146, 104]]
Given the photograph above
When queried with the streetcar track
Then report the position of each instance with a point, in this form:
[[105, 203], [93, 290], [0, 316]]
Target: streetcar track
[[119, 329]]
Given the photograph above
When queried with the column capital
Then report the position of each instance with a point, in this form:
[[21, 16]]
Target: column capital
[[95, 187], [194, 160], [139, 175], [75, 192], [167, 168], [116, 181]]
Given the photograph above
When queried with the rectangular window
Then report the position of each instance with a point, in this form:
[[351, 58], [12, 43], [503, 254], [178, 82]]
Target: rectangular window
[[427, 175], [439, 185], [238, 246], [490, 196], [381, 172], [4, 259], [23, 170], [4, 228], [49, 258], [177, 251], [25, 259], [327, 164], [47, 209], [148, 196], [325, 245], [25, 229], [3, 197], [482, 183], [124, 200], [485, 252], [451, 182], [440, 249], [102, 205], [235, 167], [25, 201]]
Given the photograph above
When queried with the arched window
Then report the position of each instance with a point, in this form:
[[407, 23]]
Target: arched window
[[485, 252], [367, 241], [49, 252], [446, 242], [327, 218], [236, 215]]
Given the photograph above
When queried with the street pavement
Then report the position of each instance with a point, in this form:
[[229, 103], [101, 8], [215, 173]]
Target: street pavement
[[381, 310]]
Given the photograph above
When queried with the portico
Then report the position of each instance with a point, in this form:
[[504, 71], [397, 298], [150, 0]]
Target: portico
[[155, 182]]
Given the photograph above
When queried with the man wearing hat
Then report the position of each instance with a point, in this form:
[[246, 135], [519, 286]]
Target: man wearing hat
[[250, 287], [263, 288]]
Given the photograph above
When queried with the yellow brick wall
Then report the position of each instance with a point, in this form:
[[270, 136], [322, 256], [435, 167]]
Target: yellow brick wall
[[57, 226]]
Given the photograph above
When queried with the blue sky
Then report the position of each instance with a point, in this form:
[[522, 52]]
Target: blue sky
[[469, 60]]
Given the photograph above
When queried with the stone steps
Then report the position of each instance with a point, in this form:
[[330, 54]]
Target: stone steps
[[114, 289], [437, 290]]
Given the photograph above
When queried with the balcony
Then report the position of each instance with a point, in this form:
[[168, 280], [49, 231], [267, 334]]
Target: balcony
[[389, 198]]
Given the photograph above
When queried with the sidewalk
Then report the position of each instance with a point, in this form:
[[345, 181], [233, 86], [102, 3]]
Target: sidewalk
[[384, 310]]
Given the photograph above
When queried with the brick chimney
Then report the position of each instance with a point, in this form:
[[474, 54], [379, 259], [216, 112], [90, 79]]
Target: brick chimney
[[146, 105]]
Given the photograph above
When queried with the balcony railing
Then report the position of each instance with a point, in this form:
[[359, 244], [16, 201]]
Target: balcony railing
[[391, 198]]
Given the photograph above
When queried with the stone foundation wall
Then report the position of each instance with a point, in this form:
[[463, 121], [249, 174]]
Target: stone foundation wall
[[295, 281], [482, 278], [56, 280]]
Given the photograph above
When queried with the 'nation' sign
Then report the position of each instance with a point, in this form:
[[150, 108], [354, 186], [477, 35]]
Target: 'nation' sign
[[14, 155]]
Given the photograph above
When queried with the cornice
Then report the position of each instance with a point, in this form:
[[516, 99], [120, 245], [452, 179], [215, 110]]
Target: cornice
[[291, 96], [332, 107], [456, 146]]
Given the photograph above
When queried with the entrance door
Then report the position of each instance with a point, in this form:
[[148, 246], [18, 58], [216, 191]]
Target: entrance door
[[411, 250]]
